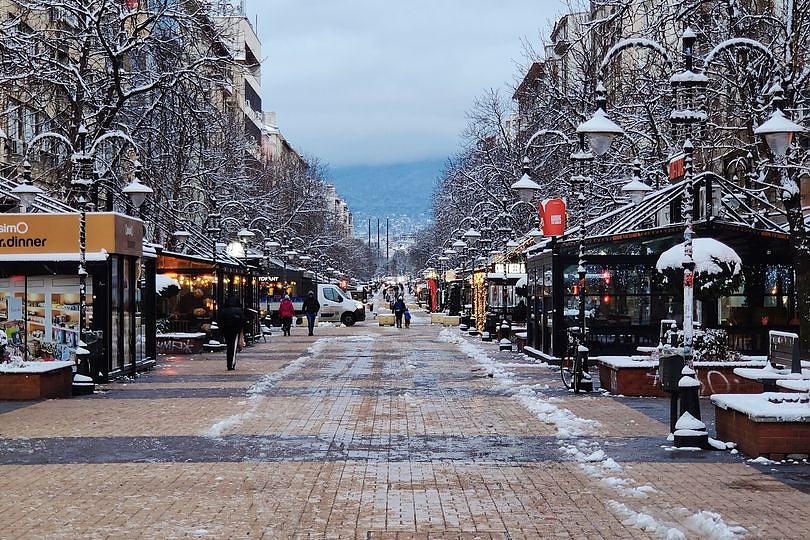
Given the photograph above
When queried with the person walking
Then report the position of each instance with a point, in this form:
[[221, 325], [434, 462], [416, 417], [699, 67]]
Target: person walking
[[232, 319], [407, 318], [399, 309], [286, 311], [311, 308]]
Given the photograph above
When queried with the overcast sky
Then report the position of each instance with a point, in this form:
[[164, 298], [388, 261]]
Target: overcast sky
[[385, 81]]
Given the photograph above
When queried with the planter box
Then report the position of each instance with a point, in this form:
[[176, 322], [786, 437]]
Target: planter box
[[520, 341], [762, 428], [38, 380], [638, 376], [386, 319], [630, 377], [437, 318], [451, 320], [181, 343]]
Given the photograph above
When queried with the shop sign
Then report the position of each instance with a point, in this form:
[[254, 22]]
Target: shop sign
[[510, 268], [39, 234], [553, 213], [676, 168], [268, 279], [115, 233]]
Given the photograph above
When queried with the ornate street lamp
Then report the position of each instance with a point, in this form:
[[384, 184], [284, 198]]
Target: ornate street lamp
[[600, 130], [137, 191], [27, 192], [635, 189], [525, 186]]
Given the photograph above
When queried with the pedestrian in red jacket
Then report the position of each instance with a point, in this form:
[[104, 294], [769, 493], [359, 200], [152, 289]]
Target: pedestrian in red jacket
[[286, 311]]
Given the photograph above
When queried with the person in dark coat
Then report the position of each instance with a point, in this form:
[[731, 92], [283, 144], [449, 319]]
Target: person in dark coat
[[311, 308], [399, 310], [231, 321]]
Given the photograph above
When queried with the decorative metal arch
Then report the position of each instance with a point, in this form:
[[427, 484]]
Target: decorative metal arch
[[630, 43]]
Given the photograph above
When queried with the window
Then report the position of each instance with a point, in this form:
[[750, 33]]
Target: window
[[331, 294]]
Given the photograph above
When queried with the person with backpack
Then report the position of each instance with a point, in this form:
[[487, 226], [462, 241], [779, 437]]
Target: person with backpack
[[231, 321], [286, 311], [311, 308]]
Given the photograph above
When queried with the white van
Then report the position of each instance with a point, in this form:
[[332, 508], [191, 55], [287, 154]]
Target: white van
[[337, 306]]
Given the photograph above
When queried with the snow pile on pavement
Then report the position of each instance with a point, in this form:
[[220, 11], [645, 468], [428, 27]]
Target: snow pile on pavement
[[593, 460]]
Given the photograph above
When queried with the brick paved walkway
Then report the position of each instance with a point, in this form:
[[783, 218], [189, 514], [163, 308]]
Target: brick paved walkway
[[371, 432]]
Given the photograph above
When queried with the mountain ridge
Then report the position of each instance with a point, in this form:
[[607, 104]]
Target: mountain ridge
[[399, 192]]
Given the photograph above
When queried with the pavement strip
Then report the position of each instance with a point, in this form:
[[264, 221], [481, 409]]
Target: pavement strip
[[255, 397], [256, 393], [592, 458]]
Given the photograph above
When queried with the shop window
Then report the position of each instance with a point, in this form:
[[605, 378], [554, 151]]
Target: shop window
[[40, 315]]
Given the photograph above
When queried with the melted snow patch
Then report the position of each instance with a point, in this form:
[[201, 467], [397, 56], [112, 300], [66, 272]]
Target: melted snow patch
[[265, 383]]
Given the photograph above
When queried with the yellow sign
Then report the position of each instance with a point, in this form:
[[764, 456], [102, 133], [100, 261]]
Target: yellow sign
[[38, 234]]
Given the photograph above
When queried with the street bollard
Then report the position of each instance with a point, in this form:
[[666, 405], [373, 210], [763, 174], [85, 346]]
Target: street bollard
[[689, 430]]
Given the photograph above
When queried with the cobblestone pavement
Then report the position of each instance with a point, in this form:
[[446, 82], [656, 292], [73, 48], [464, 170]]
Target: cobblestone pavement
[[372, 432]]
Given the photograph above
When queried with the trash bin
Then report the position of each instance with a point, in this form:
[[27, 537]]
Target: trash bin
[[669, 371]]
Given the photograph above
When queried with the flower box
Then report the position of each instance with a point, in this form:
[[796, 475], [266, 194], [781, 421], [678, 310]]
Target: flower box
[[638, 376], [36, 380], [772, 424]]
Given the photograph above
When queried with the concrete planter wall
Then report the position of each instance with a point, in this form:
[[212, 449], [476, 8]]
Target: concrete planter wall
[[178, 343], [638, 377]]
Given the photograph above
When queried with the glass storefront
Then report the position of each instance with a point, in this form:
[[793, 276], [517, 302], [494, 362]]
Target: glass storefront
[[40, 315]]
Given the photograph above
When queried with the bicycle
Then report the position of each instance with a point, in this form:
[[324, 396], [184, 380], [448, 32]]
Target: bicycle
[[574, 367]]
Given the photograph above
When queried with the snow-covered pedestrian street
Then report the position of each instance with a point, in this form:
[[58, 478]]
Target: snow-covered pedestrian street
[[372, 432]]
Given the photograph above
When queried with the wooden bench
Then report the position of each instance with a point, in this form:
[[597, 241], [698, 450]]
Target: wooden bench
[[783, 349]]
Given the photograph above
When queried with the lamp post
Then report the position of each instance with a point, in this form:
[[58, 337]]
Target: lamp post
[[82, 181], [686, 113], [214, 228]]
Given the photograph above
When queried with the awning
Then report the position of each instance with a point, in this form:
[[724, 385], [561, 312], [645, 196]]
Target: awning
[[52, 257]]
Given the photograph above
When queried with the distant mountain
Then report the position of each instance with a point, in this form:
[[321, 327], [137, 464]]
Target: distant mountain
[[401, 192]]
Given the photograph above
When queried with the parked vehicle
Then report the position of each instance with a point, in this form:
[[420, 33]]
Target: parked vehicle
[[336, 306]]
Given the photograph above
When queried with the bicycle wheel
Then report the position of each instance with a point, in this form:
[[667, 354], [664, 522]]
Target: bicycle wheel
[[576, 375], [567, 369]]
